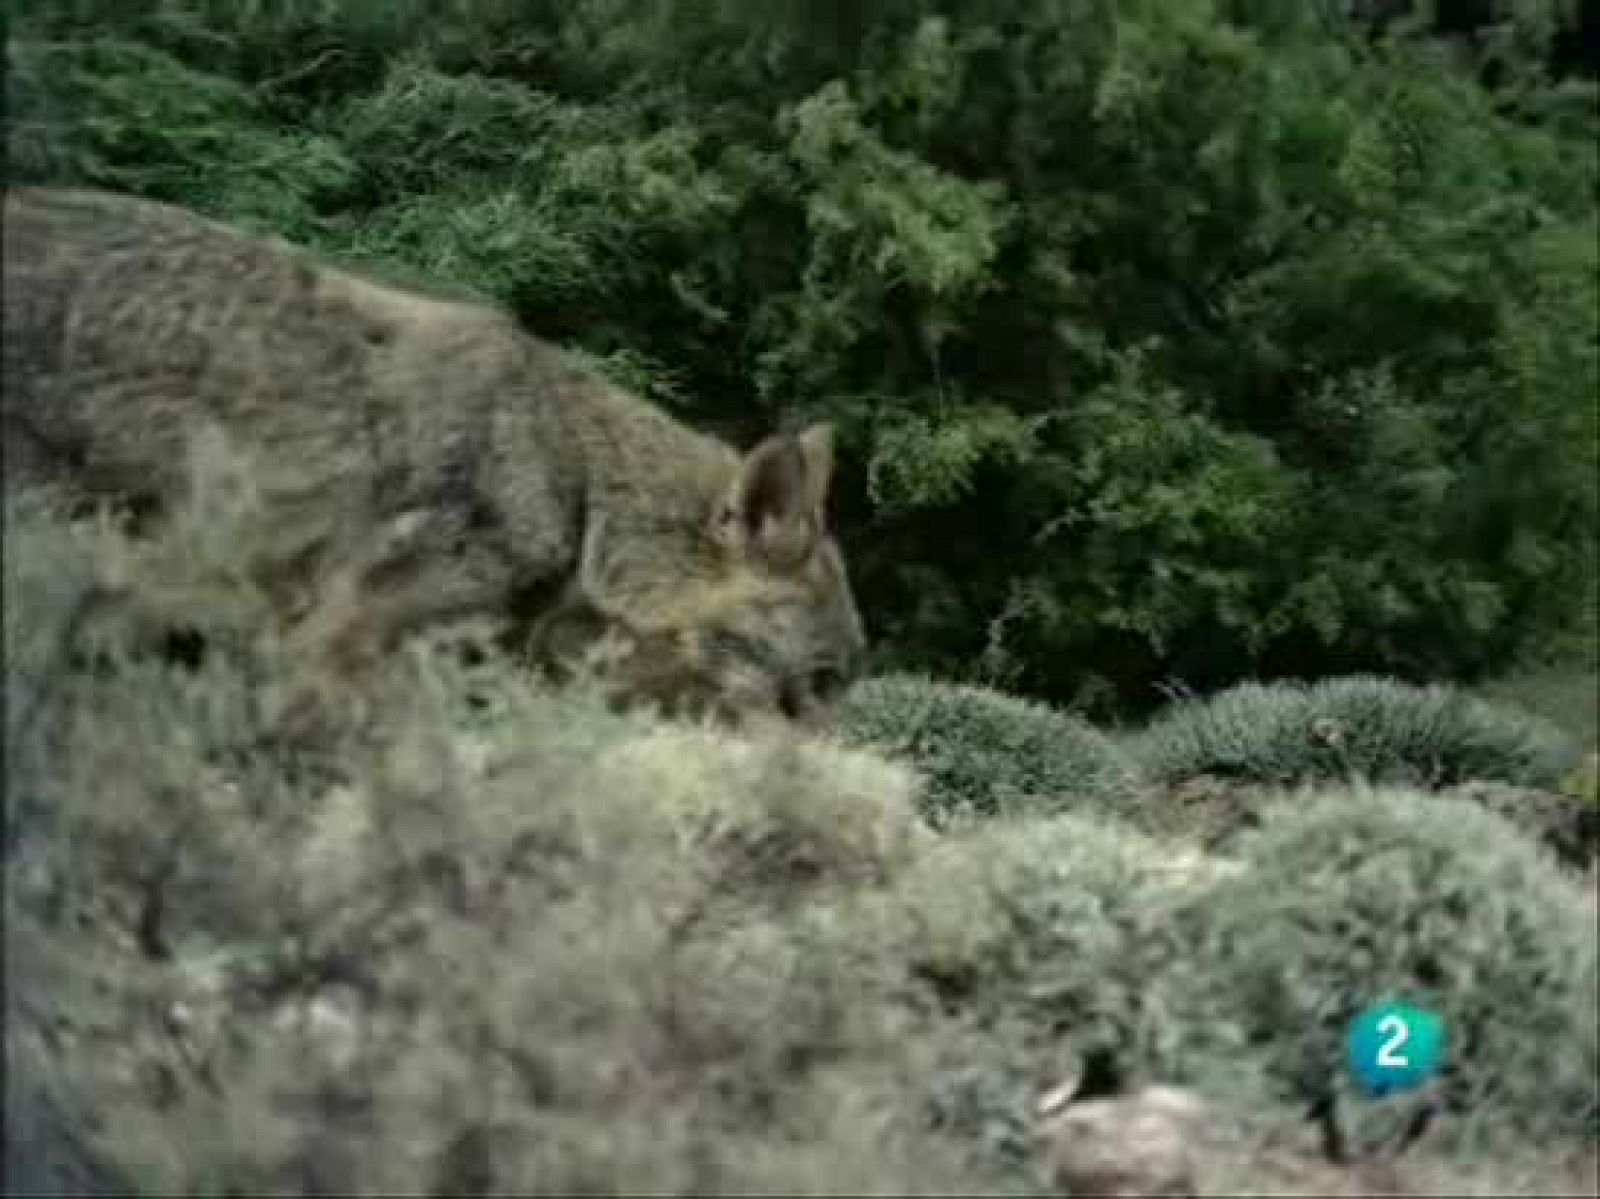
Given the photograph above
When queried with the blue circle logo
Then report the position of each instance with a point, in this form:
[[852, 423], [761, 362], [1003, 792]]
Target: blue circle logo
[[1394, 1047]]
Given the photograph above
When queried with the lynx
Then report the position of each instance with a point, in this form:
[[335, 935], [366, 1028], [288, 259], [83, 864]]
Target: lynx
[[445, 462]]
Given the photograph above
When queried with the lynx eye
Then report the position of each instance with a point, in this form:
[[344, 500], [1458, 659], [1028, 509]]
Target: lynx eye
[[733, 644]]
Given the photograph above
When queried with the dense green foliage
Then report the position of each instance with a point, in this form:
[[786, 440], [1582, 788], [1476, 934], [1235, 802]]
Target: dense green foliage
[[983, 752], [1168, 338], [1378, 729]]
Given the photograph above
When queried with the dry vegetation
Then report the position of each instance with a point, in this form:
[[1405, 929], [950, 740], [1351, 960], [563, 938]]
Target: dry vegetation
[[444, 931]]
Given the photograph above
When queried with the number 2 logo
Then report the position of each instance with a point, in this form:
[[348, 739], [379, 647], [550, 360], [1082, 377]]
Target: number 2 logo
[[1394, 1047], [1396, 1033]]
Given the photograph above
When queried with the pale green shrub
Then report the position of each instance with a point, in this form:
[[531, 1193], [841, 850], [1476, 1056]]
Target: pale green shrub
[[983, 752], [1379, 729], [1352, 897]]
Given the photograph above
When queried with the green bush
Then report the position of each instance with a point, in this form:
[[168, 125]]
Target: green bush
[[1064, 936], [1172, 339], [1046, 929], [1558, 683], [983, 752], [1379, 729], [1350, 898]]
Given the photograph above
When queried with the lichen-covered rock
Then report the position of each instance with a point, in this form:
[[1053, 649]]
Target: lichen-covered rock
[[1145, 1143]]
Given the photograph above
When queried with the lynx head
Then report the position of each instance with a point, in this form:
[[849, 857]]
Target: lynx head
[[760, 622]]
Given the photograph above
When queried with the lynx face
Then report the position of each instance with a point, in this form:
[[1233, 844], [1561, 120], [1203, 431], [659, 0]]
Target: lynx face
[[786, 651], [766, 627]]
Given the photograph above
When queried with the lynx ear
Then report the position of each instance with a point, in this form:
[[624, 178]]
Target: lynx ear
[[774, 509], [594, 584]]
